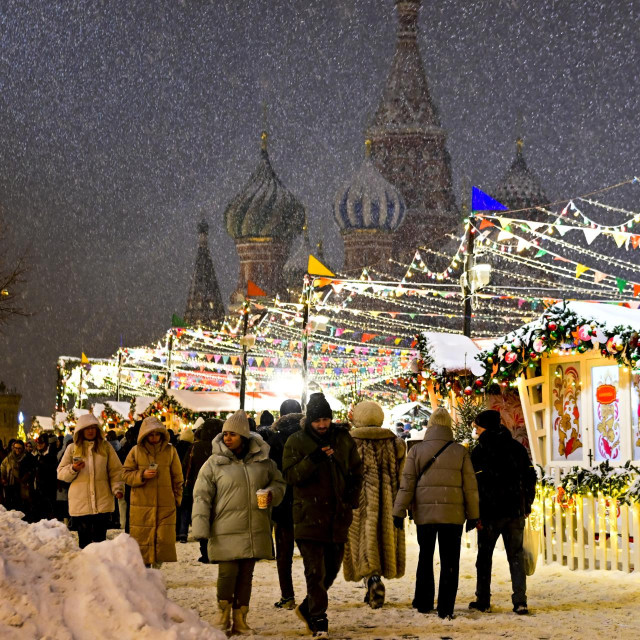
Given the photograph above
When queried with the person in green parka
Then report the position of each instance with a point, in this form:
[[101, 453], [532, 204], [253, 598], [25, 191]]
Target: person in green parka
[[321, 461], [225, 510]]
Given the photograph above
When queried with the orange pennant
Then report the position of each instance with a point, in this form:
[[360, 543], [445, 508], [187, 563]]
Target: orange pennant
[[254, 291], [485, 223], [636, 290]]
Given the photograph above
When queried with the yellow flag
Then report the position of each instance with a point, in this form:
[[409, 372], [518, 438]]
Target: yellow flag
[[580, 269], [84, 359], [316, 268]]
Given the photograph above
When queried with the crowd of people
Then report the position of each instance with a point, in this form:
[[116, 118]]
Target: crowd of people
[[340, 492]]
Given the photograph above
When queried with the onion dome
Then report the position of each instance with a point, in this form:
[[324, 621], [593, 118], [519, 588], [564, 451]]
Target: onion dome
[[520, 188], [264, 208], [368, 201]]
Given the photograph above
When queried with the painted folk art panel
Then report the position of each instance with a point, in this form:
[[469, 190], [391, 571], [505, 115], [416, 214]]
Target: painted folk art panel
[[565, 415], [605, 383]]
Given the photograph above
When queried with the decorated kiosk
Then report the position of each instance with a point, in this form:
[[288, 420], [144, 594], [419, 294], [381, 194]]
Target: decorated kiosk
[[577, 371]]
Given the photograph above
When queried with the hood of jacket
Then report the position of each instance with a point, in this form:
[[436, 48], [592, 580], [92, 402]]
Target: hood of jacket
[[258, 450], [151, 427], [439, 432], [99, 435], [288, 424]]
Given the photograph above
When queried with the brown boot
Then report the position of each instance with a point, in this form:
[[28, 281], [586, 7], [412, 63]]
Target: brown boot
[[240, 626], [223, 621]]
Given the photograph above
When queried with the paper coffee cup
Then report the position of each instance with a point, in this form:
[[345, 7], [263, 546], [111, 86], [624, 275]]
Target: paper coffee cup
[[263, 497], [153, 466]]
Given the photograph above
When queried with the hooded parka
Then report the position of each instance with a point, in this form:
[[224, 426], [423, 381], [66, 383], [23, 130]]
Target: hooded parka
[[375, 546], [92, 489], [152, 517], [447, 493], [225, 506]]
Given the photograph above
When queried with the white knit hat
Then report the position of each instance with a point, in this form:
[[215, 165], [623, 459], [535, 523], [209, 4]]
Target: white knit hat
[[238, 423], [368, 414]]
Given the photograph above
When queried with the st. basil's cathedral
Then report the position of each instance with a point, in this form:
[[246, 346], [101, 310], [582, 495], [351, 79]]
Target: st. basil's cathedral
[[399, 199]]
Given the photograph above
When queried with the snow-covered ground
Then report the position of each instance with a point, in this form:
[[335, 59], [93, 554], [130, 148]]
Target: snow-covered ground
[[563, 604], [49, 590]]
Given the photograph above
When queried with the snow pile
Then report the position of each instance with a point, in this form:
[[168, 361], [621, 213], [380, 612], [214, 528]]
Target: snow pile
[[53, 591]]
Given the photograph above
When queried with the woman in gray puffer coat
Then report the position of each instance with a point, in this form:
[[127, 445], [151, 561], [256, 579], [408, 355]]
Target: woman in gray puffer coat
[[442, 493], [225, 510]]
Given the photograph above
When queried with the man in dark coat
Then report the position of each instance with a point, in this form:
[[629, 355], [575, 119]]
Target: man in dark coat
[[286, 425], [191, 464], [322, 463], [265, 428], [45, 479], [507, 486]]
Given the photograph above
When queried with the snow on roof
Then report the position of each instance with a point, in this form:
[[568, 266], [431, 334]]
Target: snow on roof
[[45, 422], [608, 316], [453, 352]]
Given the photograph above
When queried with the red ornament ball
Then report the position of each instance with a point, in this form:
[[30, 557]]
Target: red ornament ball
[[552, 326], [479, 382], [468, 391]]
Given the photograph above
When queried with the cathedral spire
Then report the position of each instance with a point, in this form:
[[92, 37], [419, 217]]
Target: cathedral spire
[[204, 303]]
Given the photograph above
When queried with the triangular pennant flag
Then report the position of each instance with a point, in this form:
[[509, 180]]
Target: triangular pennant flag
[[522, 244], [177, 321], [591, 234], [505, 235], [541, 252], [620, 238], [84, 359], [316, 268], [534, 226], [254, 291], [635, 241], [562, 228], [486, 223], [598, 276], [622, 283], [481, 201], [580, 269], [505, 222], [633, 305], [636, 290]]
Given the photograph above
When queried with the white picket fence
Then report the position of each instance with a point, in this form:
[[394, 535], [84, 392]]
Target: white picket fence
[[591, 532]]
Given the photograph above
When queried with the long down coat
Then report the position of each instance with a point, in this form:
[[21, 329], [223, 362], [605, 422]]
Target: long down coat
[[375, 546], [225, 505], [152, 519]]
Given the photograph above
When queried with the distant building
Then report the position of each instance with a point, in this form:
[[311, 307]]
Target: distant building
[[9, 407], [204, 303]]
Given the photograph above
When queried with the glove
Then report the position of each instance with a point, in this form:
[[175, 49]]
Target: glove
[[398, 522], [472, 524]]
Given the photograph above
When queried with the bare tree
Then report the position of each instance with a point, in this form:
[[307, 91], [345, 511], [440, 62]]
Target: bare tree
[[12, 276]]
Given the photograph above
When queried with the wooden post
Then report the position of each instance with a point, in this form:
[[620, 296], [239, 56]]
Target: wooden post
[[613, 533], [602, 532], [591, 532], [580, 531], [307, 293], [636, 537], [625, 551]]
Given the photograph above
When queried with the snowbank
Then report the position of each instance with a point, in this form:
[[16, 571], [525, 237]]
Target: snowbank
[[53, 591]]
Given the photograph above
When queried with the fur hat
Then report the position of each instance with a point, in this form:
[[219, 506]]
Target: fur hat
[[368, 414], [238, 423], [317, 408], [290, 406], [489, 420], [87, 420], [440, 418]]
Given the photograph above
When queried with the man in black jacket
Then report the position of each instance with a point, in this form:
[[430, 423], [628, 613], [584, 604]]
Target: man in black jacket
[[45, 479], [507, 486], [322, 463]]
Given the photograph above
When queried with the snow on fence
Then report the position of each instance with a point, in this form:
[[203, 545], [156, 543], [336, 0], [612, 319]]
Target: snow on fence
[[591, 532]]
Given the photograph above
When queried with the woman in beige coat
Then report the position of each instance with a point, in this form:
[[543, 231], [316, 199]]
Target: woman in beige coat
[[154, 473], [94, 473]]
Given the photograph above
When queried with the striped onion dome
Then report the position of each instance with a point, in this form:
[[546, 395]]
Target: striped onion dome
[[264, 208], [368, 201]]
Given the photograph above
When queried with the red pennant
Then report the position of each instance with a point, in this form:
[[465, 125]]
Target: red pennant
[[485, 223], [368, 336], [254, 291], [636, 290], [635, 241]]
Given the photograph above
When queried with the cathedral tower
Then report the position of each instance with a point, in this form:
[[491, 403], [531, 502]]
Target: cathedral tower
[[409, 145]]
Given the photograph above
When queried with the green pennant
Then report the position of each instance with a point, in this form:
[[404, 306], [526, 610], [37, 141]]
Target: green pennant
[[541, 252], [412, 315], [177, 321], [621, 284]]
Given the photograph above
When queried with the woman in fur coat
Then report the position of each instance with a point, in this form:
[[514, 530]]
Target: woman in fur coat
[[375, 548]]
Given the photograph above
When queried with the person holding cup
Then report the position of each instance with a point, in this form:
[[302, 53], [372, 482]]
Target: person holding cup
[[232, 497], [154, 473], [94, 473]]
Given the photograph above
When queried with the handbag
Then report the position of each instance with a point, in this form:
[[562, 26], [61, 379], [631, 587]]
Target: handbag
[[530, 547]]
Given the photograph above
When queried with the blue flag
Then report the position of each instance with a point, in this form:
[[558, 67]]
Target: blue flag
[[481, 201]]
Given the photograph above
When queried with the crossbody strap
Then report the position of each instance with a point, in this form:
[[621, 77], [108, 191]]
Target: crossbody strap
[[426, 466]]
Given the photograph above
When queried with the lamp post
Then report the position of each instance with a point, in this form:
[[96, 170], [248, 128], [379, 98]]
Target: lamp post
[[466, 278]]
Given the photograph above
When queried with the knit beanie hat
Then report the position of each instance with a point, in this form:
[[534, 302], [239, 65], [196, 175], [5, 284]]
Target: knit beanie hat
[[238, 423], [186, 435], [368, 414], [440, 418], [317, 408], [290, 406], [266, 419], [87, 420], [489, 420]]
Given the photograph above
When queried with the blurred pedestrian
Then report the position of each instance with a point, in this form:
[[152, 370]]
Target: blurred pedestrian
[[226, 509], [94, 473], [154, 473], [16, 473], [45, 479]]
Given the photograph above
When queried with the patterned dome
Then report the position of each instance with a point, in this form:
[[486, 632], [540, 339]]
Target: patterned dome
[[264, 208], [368, 201], [520, 188]]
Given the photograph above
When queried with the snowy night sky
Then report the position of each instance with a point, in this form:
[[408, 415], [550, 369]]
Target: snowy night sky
[[122, 123]]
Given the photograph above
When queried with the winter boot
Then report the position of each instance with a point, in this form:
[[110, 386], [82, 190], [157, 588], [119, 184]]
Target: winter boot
[[223, 621], [320, 627], [240, 626], [375, 592], [302, 611]]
